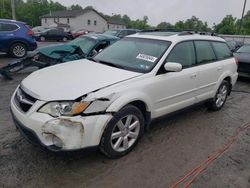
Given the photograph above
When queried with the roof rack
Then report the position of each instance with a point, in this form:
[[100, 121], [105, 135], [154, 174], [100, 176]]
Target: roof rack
[[158, 30], [191, 32]]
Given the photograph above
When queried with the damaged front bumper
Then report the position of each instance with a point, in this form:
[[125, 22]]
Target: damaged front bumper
[[59, 134]]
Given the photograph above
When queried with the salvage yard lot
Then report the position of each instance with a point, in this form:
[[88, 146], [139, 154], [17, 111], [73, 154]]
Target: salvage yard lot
[[171, 148]]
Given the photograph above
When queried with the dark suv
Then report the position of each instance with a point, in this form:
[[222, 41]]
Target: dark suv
[[16, 38]]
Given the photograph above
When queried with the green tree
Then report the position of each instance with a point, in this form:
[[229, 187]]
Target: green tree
[[165, 25], [5, 9], [75, 7], [245, 24], [226, 26]]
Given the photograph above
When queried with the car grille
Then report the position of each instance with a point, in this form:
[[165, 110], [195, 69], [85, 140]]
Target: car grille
[[244, 67], [23, 100]]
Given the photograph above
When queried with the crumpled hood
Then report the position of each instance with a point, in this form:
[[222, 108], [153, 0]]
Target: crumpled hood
[[69, 81], [56, 51]]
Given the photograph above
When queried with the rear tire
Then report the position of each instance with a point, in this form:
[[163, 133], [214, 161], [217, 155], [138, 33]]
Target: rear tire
[[220, 98], [122, 132], [18, 50]]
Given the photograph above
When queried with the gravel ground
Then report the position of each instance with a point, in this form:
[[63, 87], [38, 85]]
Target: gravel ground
[[172, 147]]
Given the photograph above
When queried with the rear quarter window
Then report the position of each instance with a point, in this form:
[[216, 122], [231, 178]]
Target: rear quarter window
[[222, 50]]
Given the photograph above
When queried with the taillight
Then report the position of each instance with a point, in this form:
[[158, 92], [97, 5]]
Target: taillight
[[30, 32], [236, 61]]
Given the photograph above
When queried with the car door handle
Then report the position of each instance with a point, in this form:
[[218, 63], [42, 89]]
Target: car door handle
[[193, 76]]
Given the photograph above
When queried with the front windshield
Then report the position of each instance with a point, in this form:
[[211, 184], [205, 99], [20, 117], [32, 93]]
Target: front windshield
[[135, 54], [111, 32], [244, 49], [85, 43]]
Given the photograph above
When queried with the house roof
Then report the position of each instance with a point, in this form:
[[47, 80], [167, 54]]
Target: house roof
[[116, 21], [75, 13]]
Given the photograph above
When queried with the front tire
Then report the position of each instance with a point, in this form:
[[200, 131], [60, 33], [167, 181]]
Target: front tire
[[42, 39], [122, 132], [220, 98], [64, 39]]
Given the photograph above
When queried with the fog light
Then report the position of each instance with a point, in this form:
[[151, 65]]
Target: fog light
[[57, 141]]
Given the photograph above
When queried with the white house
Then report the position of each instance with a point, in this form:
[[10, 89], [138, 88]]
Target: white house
[[88, 19]]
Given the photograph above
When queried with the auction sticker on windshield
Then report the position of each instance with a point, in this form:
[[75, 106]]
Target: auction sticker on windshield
[[147, 57]]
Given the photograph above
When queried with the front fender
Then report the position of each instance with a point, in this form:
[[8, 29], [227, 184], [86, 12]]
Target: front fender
[[127, 98]]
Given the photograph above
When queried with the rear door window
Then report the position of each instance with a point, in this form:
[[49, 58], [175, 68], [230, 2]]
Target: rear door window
[[222, 50], [205, 52], [5, 27], [183, 53]]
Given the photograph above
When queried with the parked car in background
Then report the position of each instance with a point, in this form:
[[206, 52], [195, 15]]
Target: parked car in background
[[37, 30], [53, 34], [78, 33], [121, 32], [234, 45], [16, 38], [108, 101], [243, 57]]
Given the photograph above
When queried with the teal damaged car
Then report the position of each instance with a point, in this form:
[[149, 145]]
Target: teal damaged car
[[82, 47], [85, 46]]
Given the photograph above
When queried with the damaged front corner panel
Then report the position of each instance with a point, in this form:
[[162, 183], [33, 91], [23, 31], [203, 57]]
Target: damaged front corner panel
[[99, 104], [69, 133]]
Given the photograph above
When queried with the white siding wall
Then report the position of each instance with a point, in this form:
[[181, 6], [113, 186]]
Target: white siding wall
[[115, 26], [49, 22], [81, 22]]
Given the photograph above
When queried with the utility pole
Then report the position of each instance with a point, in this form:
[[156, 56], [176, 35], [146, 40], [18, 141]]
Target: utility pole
[[13, 9], [243, 12]]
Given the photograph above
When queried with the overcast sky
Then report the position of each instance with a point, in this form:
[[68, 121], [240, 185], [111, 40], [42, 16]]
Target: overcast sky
[[212, 11]]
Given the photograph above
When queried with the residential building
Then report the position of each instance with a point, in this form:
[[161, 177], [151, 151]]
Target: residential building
[[88, 19]]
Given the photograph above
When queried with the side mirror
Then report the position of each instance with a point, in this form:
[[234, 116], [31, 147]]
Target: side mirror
[[173, 67]]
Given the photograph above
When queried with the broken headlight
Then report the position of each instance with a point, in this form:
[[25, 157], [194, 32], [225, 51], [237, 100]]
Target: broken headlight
[[64, 108]]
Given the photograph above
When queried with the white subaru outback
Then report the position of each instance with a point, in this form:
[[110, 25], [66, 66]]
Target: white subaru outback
[[109, 100]]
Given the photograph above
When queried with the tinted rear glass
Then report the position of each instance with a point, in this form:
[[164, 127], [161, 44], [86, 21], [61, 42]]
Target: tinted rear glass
[[222, 51], [8, 27], [183, 53], [205, 52]]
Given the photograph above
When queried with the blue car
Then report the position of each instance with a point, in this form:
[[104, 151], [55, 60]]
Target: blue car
[[16, 38]]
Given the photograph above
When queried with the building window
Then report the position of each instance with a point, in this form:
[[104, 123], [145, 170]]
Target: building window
[[89, 22], [45, 20], [95, 22], [68, 20]]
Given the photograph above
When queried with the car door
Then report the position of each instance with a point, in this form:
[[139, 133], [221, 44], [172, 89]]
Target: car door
[[6, 35], [209, 69], [171, 91]]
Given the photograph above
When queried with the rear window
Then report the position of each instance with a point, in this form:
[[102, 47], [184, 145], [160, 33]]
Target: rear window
[[8, 27], [222, 51], [205, 52]]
